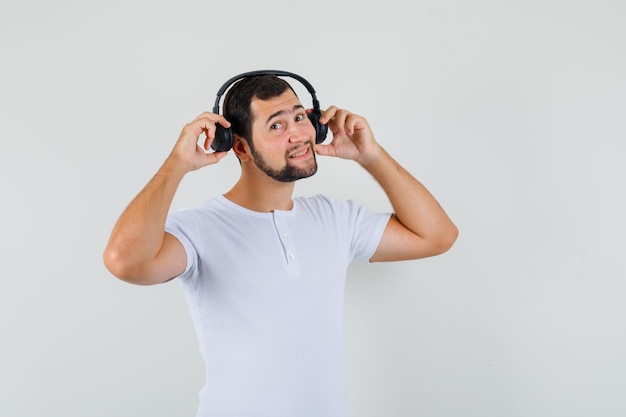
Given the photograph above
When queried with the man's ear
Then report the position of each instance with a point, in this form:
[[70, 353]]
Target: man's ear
[[241, 148]]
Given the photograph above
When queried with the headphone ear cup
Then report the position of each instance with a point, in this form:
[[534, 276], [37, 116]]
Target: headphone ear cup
[[223, 139], [320, 130]]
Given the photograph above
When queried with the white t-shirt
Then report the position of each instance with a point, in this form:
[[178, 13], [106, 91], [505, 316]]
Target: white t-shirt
[[265, 292]]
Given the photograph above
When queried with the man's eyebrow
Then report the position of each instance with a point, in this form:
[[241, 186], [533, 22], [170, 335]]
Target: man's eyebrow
[[281, 112]]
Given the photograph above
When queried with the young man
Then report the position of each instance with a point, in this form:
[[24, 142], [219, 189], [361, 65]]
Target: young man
[[264, 272]]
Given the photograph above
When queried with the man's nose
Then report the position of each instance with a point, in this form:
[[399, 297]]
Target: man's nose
[[300, 132]]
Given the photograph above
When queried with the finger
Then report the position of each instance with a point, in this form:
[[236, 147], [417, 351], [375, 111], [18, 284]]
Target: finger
[[208, 126], [203, 145], [207, 119], [328, 114], [351, 123], [204, 141], [338, 123]]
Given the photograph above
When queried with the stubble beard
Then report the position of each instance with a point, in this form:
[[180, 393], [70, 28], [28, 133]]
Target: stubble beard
[[289, 172]]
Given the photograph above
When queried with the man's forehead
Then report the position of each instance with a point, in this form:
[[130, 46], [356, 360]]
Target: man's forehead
[[287, 101]]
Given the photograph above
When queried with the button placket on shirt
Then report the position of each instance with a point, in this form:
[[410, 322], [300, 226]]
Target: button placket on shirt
[[293, 266]]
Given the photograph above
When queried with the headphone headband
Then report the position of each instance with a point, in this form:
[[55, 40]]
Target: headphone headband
[[304, 82]]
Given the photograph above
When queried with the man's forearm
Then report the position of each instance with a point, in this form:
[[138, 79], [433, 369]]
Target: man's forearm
[[414, 206]]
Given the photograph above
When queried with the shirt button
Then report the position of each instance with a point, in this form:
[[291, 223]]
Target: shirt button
[[292, 256]]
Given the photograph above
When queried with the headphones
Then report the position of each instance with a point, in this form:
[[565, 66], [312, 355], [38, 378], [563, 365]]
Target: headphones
[[224, 136]]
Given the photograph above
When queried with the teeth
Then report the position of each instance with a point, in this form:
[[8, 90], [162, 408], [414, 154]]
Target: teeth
[[296, 155]]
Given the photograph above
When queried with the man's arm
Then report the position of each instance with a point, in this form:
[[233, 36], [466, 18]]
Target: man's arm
[[139, 250], [419, 226]]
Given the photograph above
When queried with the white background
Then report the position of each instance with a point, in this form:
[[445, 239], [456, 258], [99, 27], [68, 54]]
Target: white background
[[512, 113]]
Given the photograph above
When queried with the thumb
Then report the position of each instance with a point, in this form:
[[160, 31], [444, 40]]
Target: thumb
[[325, 150], [215, 157]]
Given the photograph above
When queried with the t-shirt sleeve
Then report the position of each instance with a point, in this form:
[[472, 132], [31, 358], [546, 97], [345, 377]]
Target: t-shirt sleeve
[[183, 225], [368, 231]]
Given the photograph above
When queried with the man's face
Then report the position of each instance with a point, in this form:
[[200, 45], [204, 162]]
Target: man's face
[[283, 138]]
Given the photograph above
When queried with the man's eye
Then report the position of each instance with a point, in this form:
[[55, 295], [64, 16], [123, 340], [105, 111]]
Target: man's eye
[[299, 117], [275, 126]]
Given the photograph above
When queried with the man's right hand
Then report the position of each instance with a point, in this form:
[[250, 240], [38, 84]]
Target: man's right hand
[[193, 151]]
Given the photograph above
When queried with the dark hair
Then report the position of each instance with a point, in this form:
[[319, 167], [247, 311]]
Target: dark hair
[[238, 99]]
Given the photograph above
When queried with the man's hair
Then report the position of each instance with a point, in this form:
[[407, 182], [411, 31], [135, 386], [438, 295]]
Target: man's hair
[[238, 99]]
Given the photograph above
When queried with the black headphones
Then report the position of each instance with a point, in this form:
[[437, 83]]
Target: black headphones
[[224, 136]]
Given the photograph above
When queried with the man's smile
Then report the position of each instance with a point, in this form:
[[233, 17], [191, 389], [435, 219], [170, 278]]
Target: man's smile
[[301, 153]]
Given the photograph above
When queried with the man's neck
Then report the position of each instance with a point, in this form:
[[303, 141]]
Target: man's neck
[[262, 194]]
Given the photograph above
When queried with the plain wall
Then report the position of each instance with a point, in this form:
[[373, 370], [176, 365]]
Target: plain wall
[[511, 113]]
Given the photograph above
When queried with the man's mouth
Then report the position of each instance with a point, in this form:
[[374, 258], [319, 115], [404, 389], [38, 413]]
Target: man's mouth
[[300, 153]]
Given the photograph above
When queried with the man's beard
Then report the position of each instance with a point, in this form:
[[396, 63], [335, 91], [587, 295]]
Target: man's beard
[[288, 173]]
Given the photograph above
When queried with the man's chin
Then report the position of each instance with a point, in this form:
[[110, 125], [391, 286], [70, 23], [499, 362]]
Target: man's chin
[[290, 174], [310, 173]]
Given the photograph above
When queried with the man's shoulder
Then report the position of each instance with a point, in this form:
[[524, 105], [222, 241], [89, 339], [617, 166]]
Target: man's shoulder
[[211, 205]]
